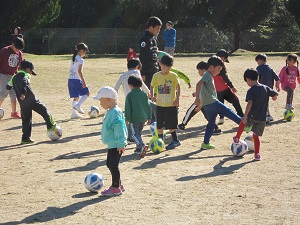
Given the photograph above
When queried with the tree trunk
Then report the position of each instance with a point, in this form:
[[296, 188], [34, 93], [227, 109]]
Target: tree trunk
[[237, 38]]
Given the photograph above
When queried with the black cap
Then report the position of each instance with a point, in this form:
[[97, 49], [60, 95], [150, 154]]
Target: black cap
[[223, 53], [27, 64]]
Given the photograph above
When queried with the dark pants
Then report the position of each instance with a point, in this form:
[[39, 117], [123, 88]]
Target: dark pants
[[232, 98], [26, 114], [290, 94], [112, 163]]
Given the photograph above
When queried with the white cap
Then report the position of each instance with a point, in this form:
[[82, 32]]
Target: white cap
[[106, 92]]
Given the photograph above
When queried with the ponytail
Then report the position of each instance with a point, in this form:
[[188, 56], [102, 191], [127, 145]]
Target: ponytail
[[298, 69], [74, 54], [286, 68], [80, 46]]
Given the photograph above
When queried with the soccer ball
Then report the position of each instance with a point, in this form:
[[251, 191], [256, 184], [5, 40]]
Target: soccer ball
[[239, 149], [94, 112], [153, 128], [288, 115], [1, 113], [156, 145], [55, 133], [94, 182], [250, 142]]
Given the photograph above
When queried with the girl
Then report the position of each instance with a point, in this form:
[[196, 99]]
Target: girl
[[287, 76], [76, 83]]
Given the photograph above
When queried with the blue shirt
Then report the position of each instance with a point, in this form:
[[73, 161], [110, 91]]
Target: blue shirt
[[267, 75], [169, 37], [114, 131]]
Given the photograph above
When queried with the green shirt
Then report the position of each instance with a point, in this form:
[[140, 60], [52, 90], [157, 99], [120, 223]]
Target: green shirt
[[208, 94]]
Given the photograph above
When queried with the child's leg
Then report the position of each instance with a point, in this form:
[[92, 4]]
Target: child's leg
[[289, 97], [233, 99], [26, 115], [82, 99], [189, 114], [211, 114], [174, 135], [241, 128], [227, 112], [113, 160], [221, 98], [216, 126], [256, 143], [136, 134], [41, 109]]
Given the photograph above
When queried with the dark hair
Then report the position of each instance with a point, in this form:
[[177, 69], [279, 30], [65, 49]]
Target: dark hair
[[18, 43], [202, 66], [170, 22], [154, 21], [293, 57], [134, 62], [251, 74], [135, 81], [131, 47], [80, 46], [167, 60], [215, 61], [261, 57]]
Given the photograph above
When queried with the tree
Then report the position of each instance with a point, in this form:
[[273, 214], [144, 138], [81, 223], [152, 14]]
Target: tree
[[293, 6]]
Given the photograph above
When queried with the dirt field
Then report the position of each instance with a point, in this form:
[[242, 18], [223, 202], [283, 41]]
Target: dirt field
[[43, 182]]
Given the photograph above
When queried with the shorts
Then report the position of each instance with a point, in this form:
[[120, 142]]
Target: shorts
[[167, 117], [3, 91], [258, 126], [76, 89]]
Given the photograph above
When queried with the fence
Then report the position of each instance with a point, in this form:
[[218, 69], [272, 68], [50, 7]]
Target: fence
[[189, 40]]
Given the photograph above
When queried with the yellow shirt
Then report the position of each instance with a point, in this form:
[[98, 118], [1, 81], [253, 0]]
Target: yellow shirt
[[166, 88]]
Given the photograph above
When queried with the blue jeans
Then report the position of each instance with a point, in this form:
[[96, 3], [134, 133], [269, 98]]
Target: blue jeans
[[212, 110], [136, 133]]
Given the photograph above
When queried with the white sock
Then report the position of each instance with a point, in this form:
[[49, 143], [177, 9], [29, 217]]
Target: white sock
[[82, 99], [74, 112]]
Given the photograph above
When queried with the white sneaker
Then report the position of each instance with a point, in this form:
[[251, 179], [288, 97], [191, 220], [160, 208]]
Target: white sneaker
[[270, 118], [221, 121], [289, 106], [78, 108], [76, 116]]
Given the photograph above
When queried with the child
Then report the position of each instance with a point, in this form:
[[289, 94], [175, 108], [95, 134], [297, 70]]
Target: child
[[137, 112], [114, 134], [167, 100], [287, 76], [131, 53], [206, 96], [134, 65], [76, 83], [267, 76], [28, 101], [201, 67], [10, 58], [225, 89], [255, 117]]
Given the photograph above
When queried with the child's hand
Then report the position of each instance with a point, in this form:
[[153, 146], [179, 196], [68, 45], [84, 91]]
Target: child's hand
[[83, 84], [194, 94], [274, 98], [190, 86], [126, 123], [153, 99], [149, 122], [233, 90], [244, 120], [121, 150], [176, 102], [22, 97]]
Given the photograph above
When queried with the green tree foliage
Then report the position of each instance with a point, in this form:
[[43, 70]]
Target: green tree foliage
[[293, 6]]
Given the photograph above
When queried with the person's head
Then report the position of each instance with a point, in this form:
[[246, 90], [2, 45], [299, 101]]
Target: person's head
[[28, 67], [291, 60], [215, 65], [251, 76], [154, 24], [169, 25], [81, 50], [261, 59], [18, 44], [223, 54], [107, 97], [134, 82], [201, 67], [17, 31], [166, 63], [131, 49], [134, 64]]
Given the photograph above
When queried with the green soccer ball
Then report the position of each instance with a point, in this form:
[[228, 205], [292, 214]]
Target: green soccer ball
[[156, 145], [288, 115]]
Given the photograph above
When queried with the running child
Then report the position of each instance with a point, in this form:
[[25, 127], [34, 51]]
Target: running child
[[76, 83], [288, 76], [257, 99], [114, 134]]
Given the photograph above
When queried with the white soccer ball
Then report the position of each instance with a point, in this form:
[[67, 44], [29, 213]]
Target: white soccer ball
[[239, 149], [1, 113], [94, 112], [153, 128], [55, 134], [94, 182], [250, 142]]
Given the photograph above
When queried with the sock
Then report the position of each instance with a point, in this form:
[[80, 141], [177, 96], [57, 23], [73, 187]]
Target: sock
[[74, 112], [174, 136], [161, 136], [82, 99], [256, 143], [240, 130]]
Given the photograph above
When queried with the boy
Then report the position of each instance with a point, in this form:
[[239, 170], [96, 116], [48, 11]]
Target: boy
[[167, 99], [267, 76], [10, 59], [148, 49], [28, 101], [114, 134], [201, 67], [206, 96], [224, 87], [137, 112], [255, 117], [169, 37]]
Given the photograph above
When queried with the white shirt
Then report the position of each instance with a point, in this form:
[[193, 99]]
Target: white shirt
[[123, 80], [74, 68]]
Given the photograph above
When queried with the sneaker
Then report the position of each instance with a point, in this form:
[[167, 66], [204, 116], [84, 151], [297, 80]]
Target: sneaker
[[221, 121], [181, 126], [235, 139], [257, 157], [122, 187], [15, 115], [78, 108], [27, 141], [76, 116], [207, 146], [248, 129], [111, 191], [173, 145], [289, 106], [269, 119], [144, 151], [217, 132], [138, 151]]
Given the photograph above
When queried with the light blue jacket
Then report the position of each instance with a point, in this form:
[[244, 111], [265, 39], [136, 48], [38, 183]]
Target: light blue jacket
[[114, 131]]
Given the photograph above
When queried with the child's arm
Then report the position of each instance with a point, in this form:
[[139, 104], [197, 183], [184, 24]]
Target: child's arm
[[176, 102], [118, 84], [153, 98], [145, 88], [247, 110], [81, 75], [277, 85], [197, 95], [228, 81], [182, 76], [120, 133]]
